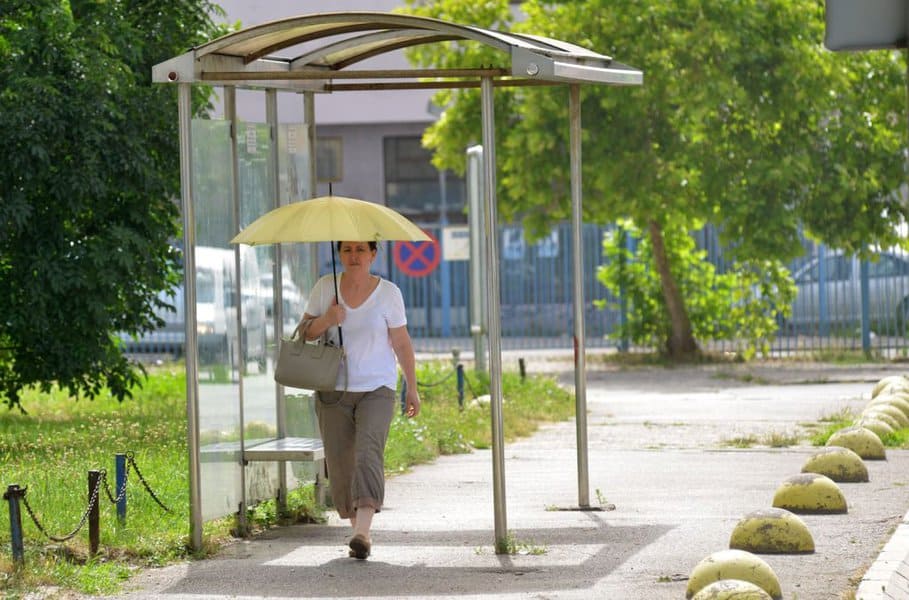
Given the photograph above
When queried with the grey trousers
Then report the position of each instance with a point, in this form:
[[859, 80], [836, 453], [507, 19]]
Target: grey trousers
[[354, 428]]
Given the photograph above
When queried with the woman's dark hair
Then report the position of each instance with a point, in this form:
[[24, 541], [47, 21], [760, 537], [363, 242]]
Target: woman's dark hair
[[372, 245]]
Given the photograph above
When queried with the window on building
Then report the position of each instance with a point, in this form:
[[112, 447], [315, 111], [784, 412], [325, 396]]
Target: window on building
[[416, 189], [328, 160]]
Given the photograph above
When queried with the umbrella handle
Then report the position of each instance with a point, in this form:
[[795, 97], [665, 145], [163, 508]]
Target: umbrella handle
[[334, 274]]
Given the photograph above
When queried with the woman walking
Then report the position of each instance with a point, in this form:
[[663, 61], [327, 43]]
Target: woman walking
[[355, 418]]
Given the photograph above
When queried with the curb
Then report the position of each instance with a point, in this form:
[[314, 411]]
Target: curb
[[888, 576]]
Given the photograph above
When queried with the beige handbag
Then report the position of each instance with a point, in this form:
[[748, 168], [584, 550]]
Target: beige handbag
[[308, 365]]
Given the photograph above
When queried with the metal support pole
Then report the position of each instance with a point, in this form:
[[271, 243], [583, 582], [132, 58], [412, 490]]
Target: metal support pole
[[191, 347], [477, 222], [494, 316], [13, 493], [271, 116], [403, 395], [460, 376], [311, 185], [230, 114], [94, 514], [580, 375], [120, 466], [865, 289], [824, 325]]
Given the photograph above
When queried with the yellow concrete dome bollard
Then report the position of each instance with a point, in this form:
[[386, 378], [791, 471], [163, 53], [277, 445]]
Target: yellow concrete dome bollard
[[891, 411], [863, 442], [810, 493], [772, 531], [900, 401], [732, 589], [837, 463], [891, 382], [878, 415], [734, 564], [880, 427]]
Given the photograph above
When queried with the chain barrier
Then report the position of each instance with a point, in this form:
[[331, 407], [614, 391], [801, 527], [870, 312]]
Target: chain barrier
[[439, 382], [96, 492], [470, 387], [72, 534], [121, 494], [132, 461]]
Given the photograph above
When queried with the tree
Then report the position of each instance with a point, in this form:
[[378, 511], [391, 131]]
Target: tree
[[91, 171], [744, 121]]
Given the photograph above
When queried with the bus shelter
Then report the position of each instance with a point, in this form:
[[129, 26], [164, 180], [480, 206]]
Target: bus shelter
[[238, 300]]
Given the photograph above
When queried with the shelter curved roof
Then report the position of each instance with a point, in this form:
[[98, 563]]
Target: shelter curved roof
[[311, 51]]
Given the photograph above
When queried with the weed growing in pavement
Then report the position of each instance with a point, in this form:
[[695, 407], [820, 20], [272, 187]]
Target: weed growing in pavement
[[773, 439], [511, 545], [780, 439], [741, 441], [62, 438], [601, 498]]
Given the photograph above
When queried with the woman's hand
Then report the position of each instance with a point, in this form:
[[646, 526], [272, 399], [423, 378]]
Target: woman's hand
[[335, 314], [412, 400]]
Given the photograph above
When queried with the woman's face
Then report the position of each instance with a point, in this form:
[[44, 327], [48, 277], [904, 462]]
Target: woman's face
[[357, 256]]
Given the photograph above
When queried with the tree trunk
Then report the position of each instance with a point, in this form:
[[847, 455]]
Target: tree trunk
[[681, 344]]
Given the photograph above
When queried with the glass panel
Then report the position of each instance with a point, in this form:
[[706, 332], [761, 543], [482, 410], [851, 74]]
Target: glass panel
[[257, 196], [297, 278], [216, 317]]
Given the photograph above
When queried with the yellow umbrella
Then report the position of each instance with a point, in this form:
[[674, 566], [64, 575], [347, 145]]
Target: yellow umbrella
[[328, 219]]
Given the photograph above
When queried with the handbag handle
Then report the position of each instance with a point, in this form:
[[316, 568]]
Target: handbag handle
[[300, 332]]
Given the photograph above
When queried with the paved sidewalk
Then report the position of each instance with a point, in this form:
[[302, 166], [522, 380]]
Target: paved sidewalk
[[658, 453]]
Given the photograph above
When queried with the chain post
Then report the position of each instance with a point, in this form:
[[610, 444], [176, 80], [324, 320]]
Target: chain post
[[94, 516], [403, 395], [460, 370], [120, 461], [523, 369], [13, 492]]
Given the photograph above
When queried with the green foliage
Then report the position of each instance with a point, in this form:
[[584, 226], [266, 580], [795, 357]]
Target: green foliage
[[87, 212], [745, 121], [50, 451], [740, 305]]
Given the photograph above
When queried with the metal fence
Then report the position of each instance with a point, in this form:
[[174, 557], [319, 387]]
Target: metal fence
[[843, 304], [535, 294]]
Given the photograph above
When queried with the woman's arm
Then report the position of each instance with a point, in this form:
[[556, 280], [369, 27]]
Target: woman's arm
[[320, 324], [403, 347]]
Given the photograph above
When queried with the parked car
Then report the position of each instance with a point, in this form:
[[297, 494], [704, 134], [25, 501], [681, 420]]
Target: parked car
[[829, 291], [293, 302], [216, 313]]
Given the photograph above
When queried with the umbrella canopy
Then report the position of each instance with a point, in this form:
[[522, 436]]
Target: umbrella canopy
[[328, 219]]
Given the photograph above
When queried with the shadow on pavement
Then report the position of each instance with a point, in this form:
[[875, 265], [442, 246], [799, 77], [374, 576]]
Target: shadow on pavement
[[311, 561]]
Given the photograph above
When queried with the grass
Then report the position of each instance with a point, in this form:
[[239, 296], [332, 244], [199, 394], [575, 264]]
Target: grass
[[50, 450], [772, 439], [513, 546]]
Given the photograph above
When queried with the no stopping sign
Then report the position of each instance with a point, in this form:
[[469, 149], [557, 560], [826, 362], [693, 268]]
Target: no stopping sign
[[417, 259]]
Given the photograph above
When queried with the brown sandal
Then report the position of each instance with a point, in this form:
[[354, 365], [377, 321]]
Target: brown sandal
[[359, 547]]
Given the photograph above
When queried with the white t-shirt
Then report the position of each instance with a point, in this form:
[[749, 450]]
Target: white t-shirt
[[370, 355]]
